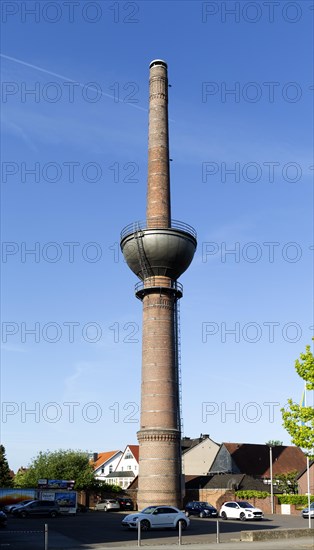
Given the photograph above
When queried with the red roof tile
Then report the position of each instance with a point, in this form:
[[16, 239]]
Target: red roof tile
[[254, 459], [102, 458], [135, 450]]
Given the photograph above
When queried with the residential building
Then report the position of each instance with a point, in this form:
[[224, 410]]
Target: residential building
[[105, 463], [302, 480], [198, 454], [126, 469], [254, 460]]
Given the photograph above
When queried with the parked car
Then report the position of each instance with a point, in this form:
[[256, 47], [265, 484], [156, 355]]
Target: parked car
[[156, 517], [240, 510], [125, 503], [305, 512], [81, 508], [200, 509], [108, 504], [38, 508], [10, 507], [3, 519]]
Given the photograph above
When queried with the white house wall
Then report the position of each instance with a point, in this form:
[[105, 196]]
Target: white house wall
[[198, 460], [128, 464], [109, 466]]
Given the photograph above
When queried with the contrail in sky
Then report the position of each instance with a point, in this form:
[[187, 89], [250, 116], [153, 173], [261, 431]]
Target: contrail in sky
[[20, 62]]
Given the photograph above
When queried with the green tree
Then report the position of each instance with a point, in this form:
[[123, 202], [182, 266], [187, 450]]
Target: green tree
[[287, 483], [5, 474], [274, 443], [298, 420], [60, 464]]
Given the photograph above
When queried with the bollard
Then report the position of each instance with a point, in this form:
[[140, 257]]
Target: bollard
[[138, 533], [217, 532], [180, 533], [46, 536]]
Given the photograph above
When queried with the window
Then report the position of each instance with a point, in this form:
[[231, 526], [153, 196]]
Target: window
[[102, 471], [128, 455], [110, 469]]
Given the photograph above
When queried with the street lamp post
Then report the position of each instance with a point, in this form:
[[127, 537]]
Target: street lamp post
[[271, 479], [308, 490]]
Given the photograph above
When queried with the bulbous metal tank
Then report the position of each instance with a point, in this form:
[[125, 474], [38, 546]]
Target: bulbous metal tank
[[158, 251]]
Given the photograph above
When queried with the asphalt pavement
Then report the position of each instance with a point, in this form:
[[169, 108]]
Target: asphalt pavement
[[305, 543], [103, 531]]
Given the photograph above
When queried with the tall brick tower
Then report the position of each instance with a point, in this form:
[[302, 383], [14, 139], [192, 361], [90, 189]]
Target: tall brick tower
[[158, 251]]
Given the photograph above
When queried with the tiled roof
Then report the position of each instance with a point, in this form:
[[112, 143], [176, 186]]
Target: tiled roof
[[102, 458], [135, 451], [196, 482], [134, 484], [225, 481], [187, 443], [238, 482], [305, 469], [121, 474], [254, 459]]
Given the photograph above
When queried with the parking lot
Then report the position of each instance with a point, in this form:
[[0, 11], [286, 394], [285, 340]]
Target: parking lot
[[103, 529]]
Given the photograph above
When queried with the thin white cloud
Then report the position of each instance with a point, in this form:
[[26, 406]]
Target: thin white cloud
[[67, 79], [17, 131]]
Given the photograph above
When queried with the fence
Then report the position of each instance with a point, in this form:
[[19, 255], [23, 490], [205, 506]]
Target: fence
[[37, 538]]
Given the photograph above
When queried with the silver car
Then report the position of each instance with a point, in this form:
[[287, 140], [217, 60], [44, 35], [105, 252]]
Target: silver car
[[108, 504], [10, 507], [305, 512]]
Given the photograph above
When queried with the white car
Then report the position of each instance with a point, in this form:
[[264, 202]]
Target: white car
[[157, 517], [240, 510], [107, 504]]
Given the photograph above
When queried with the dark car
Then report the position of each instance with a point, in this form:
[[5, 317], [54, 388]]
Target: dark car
[[125, 503], [3, 519], [38, 508], [200, 509], [81, 508]]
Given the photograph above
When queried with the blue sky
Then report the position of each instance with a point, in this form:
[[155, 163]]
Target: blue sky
[[241, 123]]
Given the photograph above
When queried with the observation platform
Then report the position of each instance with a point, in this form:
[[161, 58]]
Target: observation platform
[[152, 250]]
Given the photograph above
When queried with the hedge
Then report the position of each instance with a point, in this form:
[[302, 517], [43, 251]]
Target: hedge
[[252, 494], [294, 499]]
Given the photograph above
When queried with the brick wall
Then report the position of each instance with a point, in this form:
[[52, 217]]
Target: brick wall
[[217, 497]]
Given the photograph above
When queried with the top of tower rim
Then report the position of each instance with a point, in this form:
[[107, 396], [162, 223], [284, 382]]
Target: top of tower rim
[[158, 62]]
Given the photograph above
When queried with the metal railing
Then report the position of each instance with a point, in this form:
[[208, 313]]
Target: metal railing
[[157, 223], [154, 282]]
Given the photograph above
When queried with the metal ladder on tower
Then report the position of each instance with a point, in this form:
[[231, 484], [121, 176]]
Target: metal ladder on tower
[[178, 362], [144, 263]]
